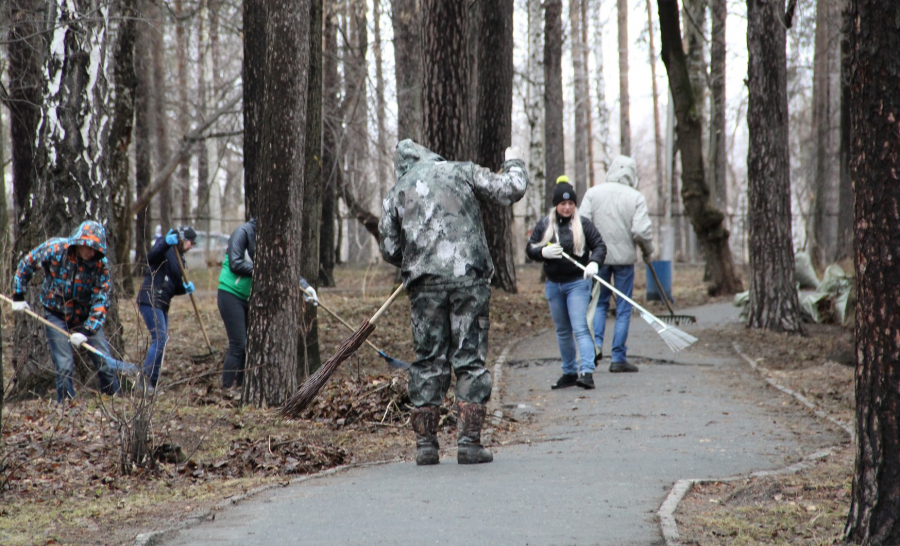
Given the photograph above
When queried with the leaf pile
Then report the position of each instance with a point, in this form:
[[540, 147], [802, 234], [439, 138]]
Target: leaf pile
[[275, 455], [378, 399]]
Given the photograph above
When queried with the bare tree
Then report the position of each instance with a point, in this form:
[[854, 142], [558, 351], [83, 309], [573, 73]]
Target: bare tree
[[160, 119], [143, 120], [717, 155], [582, 111], [406, 18], [874, 155], [274, 314], [331, 134], [624, 97], [845, 216], [662, 203], [600, 86], [446, 76], [534, 112], [554, 143], [356, 190], [204, 79], [182, 43]]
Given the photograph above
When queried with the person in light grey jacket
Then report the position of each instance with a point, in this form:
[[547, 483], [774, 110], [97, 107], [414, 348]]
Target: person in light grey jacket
[[619, 212]]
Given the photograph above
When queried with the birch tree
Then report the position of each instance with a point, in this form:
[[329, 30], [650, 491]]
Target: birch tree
[[624, 97], [534, 112], [578, 98]]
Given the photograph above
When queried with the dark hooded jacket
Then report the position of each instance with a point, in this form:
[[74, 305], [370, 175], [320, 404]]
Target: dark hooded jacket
[[163, 279], [431, 225], [75, 290]]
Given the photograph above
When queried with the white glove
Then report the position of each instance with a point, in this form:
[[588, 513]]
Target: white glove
[[309, 295], [552, 252], [77, 340], [21, 306], [513, 152], [591, 270]]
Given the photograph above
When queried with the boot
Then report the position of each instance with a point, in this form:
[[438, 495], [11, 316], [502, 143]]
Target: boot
[[424, 423], [471, 419]]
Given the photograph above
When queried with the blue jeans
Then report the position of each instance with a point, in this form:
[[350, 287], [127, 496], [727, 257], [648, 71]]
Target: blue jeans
[[61, 351], [568, 307], [623, 279], [158, 324]]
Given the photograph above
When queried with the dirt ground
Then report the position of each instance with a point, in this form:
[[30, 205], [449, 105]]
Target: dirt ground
[[63, 479]]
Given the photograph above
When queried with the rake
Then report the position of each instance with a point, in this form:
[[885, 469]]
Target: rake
[[395, 363], [124, 368], [676, 339], [314, 383], [195, 358], [672, 318]]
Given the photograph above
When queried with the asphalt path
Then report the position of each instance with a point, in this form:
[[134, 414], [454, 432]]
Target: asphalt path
[[585, 468]]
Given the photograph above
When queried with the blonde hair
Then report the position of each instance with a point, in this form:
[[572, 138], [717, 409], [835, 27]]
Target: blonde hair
[[550, 232]]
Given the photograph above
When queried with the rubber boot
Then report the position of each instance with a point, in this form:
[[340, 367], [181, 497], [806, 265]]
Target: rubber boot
[[424, 423], [471, 419]]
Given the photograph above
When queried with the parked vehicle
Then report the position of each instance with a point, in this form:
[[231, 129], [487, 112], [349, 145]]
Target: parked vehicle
[[209, 250]]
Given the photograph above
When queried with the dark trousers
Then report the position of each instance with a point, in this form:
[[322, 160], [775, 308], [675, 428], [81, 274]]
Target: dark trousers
[[234, 314]]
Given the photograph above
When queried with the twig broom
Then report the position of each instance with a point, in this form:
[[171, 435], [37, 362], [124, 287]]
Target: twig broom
[[676, 339], [314, 383]]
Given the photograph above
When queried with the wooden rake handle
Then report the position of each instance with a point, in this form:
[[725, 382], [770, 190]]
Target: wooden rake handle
[[57, 328], [193, 301], [386, 304]]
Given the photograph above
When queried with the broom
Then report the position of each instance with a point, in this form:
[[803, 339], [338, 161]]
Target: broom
[[676, 339], [314, 383]]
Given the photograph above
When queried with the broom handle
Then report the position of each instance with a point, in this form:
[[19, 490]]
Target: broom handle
[[342, 321], [662, 292], [386, 304], [613, 288], [193, 302], [57, 328]]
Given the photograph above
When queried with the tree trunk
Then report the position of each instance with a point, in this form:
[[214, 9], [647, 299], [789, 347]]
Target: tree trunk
[[357, 182], [160, 117], [143, 168], [661, 204], [406, 18], [718, 182], [578, 99], [119, 140], [445, 102], [274, 315], [773, 296], [309, 359], [874, 156], [204, 77], [554, 143], [534, 112], [707, 220], [584, 89], [624, 99], [845, 216], [331, 171], [600, 86], [494, 130], [182, 41], [383, 162]]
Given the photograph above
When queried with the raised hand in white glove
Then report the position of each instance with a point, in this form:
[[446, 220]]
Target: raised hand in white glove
[[21, 306], [591, 270], [513, 152], [77, 339], [309, 295], [552, 251]]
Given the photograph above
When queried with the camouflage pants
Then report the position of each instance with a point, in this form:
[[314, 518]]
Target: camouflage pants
[[450, 329]]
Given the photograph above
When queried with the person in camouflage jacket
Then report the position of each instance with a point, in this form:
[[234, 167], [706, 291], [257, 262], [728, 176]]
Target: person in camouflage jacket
[[431, 228], [74, 296]]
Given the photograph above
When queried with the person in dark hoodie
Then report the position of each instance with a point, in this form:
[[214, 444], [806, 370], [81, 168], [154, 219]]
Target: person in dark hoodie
[[431, 229], [235, 285], [161, 283], [568, 288], [74, 296]]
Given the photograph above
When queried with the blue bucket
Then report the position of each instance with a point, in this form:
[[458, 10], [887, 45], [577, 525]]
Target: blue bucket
[[663, 270]]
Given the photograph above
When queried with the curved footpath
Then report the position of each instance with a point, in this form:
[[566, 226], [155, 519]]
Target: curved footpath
[[587, 467]]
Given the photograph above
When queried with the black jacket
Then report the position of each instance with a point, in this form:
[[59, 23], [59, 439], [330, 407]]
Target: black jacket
[[242, 249], [562, 270], [164, 279]]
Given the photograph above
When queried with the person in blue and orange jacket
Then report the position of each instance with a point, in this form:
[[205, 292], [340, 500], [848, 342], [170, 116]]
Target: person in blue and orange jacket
[[74, 296]]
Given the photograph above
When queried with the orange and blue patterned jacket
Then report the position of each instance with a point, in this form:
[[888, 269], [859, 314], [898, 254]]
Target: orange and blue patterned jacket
[[74, 290]]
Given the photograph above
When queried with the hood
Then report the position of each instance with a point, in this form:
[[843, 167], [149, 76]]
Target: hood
[[90, 234], [409, 154], [624, 171]]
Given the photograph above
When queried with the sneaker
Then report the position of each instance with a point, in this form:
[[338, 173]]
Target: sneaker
[[619, 367], [585, 381], [598, 357], [566, 380]]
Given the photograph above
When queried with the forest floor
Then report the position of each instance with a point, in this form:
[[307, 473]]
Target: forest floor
[[63, 481]]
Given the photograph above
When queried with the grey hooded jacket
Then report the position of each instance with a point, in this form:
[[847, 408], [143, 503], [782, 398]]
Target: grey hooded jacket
[[619, 212], [431, 224]]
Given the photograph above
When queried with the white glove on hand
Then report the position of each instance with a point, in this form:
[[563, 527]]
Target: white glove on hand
[[590, 270], [21, 306], [513, 152], [309, 295], [77, 340], [552, 252]]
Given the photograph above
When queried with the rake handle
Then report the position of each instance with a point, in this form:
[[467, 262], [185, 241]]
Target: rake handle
[[662, 292], [57, 328], [193, 301], [339, 319], [386, 304], [615, 291]]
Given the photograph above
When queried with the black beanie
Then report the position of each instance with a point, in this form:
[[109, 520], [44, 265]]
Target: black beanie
[[187, 232], [564, 192]]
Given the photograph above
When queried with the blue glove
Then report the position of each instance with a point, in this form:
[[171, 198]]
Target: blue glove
[[172, 237], [189, 287]]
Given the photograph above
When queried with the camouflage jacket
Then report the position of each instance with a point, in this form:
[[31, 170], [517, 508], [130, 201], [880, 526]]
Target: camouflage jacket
[[431, 223], [75, 290]]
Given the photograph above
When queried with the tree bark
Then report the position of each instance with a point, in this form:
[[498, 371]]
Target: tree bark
[[160, 117], [845, 216], [534, 112], [204, 78], [182, 40], [578, 99], [624, 97], [143, 168], [773, 296], [331, 171], [658, 145], [718, 182], [445, 102], [274, 314], [554, 143], [874, 71], [406, 18], [356, 132], [494, 129], [600, 86], [708, 221], [255, 41]]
